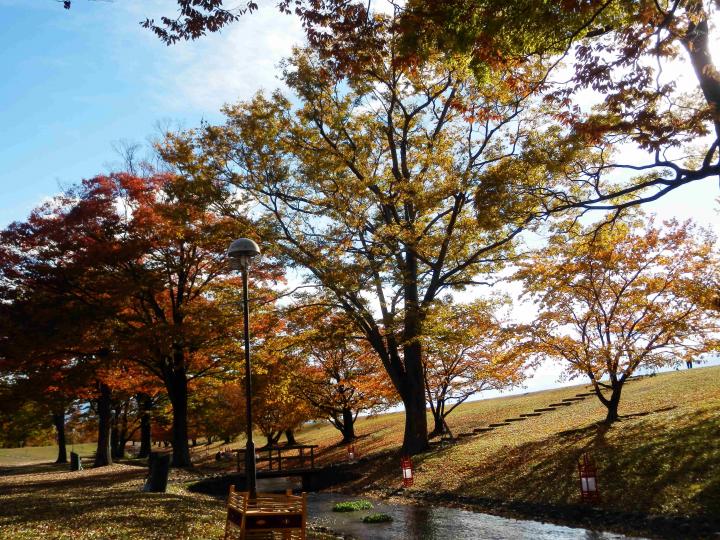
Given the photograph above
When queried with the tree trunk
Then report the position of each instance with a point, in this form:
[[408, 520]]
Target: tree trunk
[[438, 423], [145, 440], [348, 425], [115, 435], [102, 454], [176, 384], [290, 436], [272, 438], [415, 438], [59, 423], [612, 405]]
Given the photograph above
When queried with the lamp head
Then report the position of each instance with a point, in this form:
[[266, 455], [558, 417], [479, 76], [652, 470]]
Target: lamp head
[[240, 252]]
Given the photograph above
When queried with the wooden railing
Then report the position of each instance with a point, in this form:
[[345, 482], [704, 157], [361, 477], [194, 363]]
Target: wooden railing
[[279, 458]]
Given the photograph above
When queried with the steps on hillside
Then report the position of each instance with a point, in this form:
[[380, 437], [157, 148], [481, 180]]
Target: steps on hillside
[[561, 404], [514, 419], [572, 399], [546, 409], [529, 414], [585, 394], [482, 429], [499, 424]]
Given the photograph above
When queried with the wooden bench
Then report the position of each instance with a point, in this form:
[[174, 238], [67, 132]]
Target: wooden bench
[[269, 516]]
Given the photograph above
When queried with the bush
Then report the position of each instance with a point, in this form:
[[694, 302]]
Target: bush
[[352, 506], [377, 518]]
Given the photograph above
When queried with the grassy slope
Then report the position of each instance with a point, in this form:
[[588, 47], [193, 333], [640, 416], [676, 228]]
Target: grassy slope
[[665, 461], [662, 457]]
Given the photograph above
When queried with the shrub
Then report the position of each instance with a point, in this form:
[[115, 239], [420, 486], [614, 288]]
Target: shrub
[[352, 506], [377, 518]]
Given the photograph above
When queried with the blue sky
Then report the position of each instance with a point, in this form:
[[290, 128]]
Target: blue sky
[[76, 81]]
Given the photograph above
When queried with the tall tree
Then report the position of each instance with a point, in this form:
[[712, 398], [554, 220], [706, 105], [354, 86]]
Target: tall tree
[[171, 324], [368, 186], [626, 297]]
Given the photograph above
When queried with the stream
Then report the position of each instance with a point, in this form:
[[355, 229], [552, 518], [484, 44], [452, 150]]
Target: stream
[[411, 522]]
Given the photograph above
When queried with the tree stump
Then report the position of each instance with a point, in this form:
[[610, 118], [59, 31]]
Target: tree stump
[[157, 479], [75, 462]]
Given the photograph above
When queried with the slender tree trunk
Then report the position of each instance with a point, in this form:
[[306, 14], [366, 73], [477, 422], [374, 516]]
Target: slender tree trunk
[[290, 436], [102, 454], [115, 435], [438, 423], [59, 423], [145, 430], [348, 425]]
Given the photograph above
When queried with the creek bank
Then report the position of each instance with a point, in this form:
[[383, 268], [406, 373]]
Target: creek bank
[[575, 515]]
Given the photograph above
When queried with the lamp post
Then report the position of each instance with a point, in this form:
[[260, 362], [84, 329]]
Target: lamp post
[[239, 254]]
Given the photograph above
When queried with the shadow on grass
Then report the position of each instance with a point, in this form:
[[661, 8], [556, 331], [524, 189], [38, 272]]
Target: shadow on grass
[[33, 468], [658, 465], [105, 504]]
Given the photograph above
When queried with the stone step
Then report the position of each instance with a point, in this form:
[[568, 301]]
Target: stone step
[[561, 404], [529, 414], [585, 394], [482, 429], [499, 424], [463, 435], [546, 409], [514, 419], [572, 399]]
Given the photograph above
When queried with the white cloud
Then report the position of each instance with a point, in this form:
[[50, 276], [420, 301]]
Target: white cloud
[[224, 67]]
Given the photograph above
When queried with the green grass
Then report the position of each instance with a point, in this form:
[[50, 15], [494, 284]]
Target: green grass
[[35, 454], [352, 506]]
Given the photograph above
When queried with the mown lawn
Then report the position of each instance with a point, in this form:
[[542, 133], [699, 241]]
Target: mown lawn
[[35, 454]]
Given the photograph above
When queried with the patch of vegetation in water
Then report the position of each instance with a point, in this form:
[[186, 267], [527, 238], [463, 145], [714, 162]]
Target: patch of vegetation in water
[[377, 518], [352, 506]]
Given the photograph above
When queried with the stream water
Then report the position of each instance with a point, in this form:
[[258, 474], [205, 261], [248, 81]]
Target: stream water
[[411, 522]]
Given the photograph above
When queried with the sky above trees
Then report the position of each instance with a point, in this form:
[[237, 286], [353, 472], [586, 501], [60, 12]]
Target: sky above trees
[[77, 81]]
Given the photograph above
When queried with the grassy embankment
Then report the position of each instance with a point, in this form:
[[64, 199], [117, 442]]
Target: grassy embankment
[[662, 458]]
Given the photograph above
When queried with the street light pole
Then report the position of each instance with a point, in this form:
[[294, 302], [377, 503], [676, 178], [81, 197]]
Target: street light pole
[[250, 465], [239, 254]]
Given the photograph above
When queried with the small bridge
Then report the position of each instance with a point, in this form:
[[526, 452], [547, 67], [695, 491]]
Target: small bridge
[[283, 461]]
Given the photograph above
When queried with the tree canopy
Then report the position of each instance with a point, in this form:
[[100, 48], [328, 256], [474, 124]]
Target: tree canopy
[[631, 295]]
